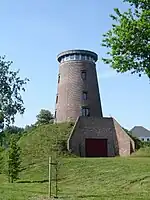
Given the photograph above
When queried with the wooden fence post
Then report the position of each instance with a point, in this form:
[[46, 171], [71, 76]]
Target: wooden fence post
[[50, 177]]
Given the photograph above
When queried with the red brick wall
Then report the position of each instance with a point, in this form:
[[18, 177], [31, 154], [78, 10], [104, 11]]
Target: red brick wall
[[124, 141], [70, 90], [100, 128]]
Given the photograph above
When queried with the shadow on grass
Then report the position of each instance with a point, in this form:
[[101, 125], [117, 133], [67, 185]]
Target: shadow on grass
[[36, 181], [103, 195], [24, 168], [80, 196], [135, 181], [90, 196], [32, 181]]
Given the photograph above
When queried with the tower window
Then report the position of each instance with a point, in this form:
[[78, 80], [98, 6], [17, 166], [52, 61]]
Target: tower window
[[58, 78], [72, 57], [67, 58], [84, 95], [83, 75], [85, 112], [55, 114], [76, 57], [57, 99]]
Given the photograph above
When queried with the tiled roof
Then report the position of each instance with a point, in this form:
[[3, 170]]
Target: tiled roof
[[140, 131]]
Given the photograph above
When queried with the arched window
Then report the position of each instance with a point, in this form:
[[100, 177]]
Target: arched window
[[83, 75], [84, 95]]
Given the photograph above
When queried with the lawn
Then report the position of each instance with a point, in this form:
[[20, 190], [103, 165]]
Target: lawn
[[78, 178], [83, 178]]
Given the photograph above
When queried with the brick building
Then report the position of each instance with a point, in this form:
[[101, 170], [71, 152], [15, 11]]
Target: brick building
[[78, 100], [78, 92]]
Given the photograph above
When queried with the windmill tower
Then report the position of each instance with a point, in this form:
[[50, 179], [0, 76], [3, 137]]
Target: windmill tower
[[77, 91]]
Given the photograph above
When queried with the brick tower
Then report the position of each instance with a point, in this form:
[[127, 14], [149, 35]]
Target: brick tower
[[77, 91]]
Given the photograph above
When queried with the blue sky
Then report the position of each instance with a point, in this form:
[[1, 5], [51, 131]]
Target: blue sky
[[33, 32]]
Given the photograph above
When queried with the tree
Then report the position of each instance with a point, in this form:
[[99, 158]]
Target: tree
[[5, 136], [14, 130], [1, 121], [13, 160], [29, 127], [44, 117], [11, 85], [1, 128], [1, 158], [138, 142], [128, 40]]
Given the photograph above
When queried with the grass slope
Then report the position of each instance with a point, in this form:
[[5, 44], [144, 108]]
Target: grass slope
[[142, 152], [78, 178], [40, 142]]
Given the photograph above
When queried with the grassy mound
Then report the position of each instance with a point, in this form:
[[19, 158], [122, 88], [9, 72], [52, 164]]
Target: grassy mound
[[78, 178], [42, 141]]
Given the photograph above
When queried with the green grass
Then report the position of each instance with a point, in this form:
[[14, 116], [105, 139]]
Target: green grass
[[143, 152], [40, 142], [78, 178]]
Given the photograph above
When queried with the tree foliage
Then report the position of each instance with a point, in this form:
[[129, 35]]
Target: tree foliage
[[1, 121], [11, 85], [29, 127], [44, 117], [1, 158], [14, 129], [128, 41], [138, 142], [8, 132], [14, 160]]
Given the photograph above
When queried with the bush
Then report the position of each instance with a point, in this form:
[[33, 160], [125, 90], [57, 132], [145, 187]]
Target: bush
[[1, 159], [138, 143], [142, 152]]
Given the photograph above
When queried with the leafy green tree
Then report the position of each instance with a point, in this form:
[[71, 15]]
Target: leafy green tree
[[14, 160], [138, 143], [14, 129], [5, 136], [11, 85], [44, 117], [29, 127], [1, 128], [1, 121], [1, 158], [128, 41]]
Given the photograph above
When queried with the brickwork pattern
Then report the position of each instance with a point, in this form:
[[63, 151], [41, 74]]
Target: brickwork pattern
[[71, 87], [125, 143], [100, 128]]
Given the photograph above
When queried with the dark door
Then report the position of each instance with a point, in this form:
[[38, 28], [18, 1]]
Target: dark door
[[96, 147]]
